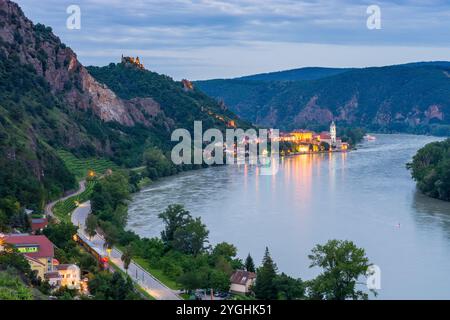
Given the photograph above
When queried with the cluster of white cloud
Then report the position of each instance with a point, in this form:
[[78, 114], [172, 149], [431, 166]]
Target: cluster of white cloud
[[223, 38]]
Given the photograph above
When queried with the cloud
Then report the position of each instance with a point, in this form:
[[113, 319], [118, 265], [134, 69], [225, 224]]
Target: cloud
[[193, 29]]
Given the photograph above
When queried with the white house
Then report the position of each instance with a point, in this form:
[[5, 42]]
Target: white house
[[242, 281], [70, 275]]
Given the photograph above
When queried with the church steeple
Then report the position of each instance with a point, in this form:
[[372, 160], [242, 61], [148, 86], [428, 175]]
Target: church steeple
[[333, 133]]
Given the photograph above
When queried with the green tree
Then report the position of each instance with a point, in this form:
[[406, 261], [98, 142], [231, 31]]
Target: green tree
[[110, 241], [61, 234], [219, 281], [107, 286], [289, 288], [431, 169], [343, 264], [126, 257], [249, 264], [191, 238], [226, 250], [157, 164], [192, 280], [91, 225], [265, 286], [174, 217]]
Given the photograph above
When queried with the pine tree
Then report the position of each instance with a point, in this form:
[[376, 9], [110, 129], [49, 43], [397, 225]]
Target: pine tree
[[249, 264], [265, 287]]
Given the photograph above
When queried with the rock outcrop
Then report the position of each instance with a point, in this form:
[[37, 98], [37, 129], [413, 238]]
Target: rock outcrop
[[37, 46]]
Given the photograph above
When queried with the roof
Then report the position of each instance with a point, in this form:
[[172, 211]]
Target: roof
[[302, 131], [52, 275], [242, 276], [37, 224], [45, 248], [66, 266], [35, 261], [325, 136]]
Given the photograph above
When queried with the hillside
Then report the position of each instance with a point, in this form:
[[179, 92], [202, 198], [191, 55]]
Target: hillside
[[180, 105], [308, 73], [49, 102], [404, 98]]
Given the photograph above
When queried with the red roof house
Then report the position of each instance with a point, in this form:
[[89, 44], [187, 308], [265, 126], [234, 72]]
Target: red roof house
[[38, 224], [325, 136], [36, 247]]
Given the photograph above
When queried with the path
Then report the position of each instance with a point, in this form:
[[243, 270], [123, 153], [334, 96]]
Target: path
[[143, 278], [49, 207]]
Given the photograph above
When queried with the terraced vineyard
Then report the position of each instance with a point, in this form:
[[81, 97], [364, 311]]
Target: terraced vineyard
[[80, 167], [63, 209]]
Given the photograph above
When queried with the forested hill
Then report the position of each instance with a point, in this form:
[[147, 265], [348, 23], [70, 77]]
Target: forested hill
[[405, 98], [181, 102], [49, 102], [308, 73]]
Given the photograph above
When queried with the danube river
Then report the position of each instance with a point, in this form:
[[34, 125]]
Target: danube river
[[366, 196]]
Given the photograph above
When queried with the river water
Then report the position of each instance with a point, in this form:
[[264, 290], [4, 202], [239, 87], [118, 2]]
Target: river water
[[366, 196]]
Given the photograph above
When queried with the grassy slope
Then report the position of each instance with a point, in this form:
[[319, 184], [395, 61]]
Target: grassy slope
[[13, 288], [80, 167], [159, 274]]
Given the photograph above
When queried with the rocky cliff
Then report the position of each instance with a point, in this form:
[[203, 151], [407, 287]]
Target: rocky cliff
[[37, 46]]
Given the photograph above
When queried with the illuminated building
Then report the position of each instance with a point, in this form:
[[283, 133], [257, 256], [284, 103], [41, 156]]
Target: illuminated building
[[187, 85], [333, 134], [70, 275], [136, 62]]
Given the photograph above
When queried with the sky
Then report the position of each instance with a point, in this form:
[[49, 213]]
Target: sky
[[205, 39]]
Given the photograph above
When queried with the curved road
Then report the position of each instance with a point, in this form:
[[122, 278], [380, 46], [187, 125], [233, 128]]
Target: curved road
[[49, 207], [143, 278]]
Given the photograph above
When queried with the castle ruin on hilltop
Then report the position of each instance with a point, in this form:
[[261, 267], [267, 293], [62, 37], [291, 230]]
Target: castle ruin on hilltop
[[131, 61]]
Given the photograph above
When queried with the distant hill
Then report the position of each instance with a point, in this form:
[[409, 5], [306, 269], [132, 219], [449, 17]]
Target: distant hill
[[309, 73], [402, 98]]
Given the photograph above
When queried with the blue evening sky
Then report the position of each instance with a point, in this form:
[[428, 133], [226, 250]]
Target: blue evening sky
[[203, 39]]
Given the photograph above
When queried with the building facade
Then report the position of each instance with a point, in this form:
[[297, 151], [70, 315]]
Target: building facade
[[38, 250]]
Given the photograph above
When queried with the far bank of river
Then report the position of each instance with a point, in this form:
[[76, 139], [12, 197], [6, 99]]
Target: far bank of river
[[365, 195]]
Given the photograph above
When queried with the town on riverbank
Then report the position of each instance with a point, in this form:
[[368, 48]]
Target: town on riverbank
[[303, 141]]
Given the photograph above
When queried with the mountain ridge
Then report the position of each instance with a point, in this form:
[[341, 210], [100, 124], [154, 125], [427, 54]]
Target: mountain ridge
[[400, 98]]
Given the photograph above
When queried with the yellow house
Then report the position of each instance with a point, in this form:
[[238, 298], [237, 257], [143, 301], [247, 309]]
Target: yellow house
[[38, 250]]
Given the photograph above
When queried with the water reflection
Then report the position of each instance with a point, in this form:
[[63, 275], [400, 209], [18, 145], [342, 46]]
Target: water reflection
[[363, 196], [431, 212]]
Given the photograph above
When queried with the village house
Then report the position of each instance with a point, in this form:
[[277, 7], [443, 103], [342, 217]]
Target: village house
[[38, 224], [242, 281], [70, 275], [38, 250]]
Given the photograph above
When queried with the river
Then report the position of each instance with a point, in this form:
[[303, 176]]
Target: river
[[366, 196]]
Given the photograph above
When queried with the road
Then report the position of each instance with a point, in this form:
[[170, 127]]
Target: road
[[143, 278], [49, 207]]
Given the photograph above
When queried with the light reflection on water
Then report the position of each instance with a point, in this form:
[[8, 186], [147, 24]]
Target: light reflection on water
[[361, 196]]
